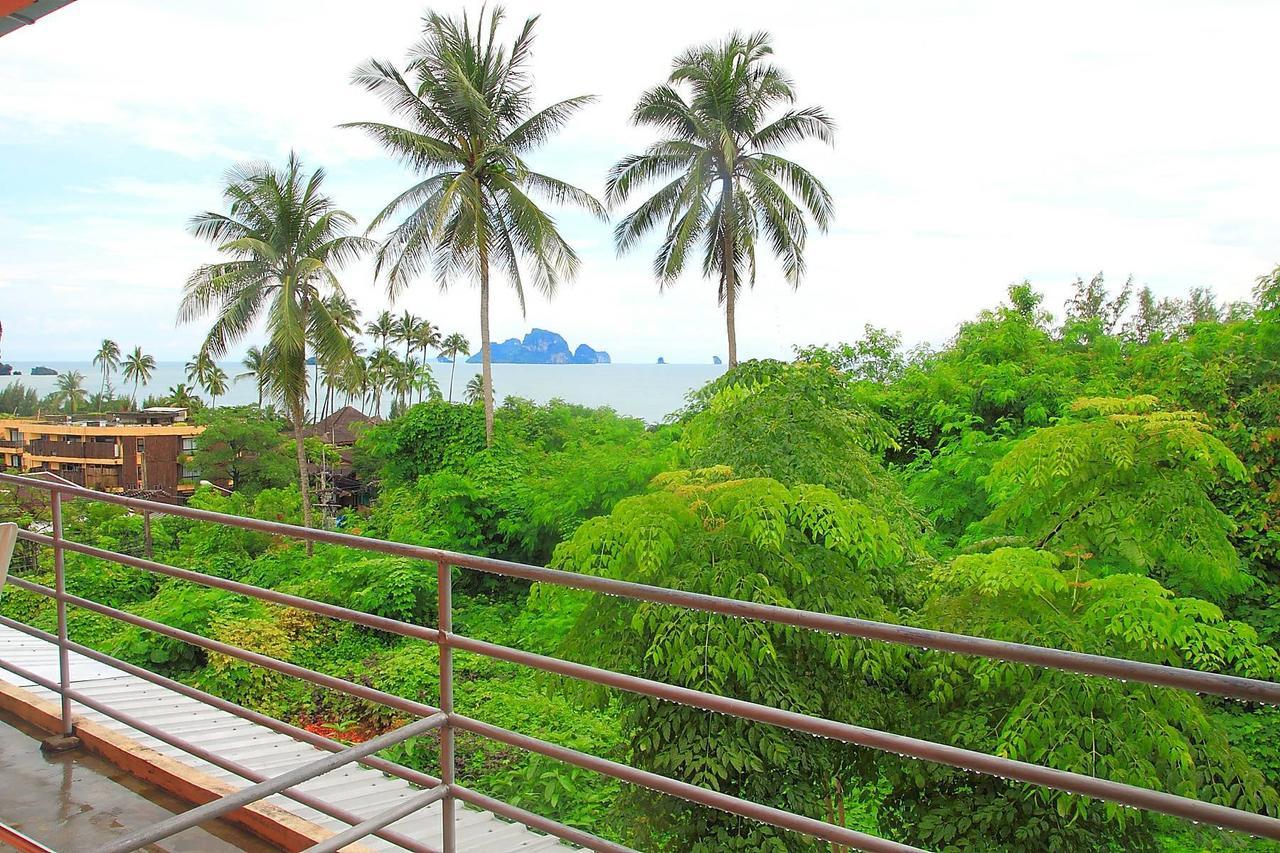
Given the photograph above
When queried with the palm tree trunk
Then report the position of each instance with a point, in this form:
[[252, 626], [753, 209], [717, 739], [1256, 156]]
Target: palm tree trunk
[[298, 415], [486, 366], [730, 295], [452, 368], [315, 389]]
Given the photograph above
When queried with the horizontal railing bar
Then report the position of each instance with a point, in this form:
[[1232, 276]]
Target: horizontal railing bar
[[685, 791], [390, 816], [333, 611], [1231, 686], [342, 685], [1063, 780], [966, 759], [274, 785], [417, 777], [213, 758]]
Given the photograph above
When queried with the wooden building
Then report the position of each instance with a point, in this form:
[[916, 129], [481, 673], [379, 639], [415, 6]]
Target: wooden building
[[147, 451]]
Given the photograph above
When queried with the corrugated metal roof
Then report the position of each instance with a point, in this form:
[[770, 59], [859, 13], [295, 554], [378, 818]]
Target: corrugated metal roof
[[357, 789]]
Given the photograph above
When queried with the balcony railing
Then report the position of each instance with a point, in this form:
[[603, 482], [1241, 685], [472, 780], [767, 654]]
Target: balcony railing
[[11, 443], [447, 721], [73, 449]]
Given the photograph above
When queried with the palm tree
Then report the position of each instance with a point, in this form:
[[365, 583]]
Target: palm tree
[[253, 366], [284, 240], [137, 369], [198, 368], [182, 395], [107, 358], [471, 121], [69, 390], [215, 382], [381, 327], [474, 391], [346, 316], [382, 366], [406, 326], [426, 337], [454, 346], [723, 184]]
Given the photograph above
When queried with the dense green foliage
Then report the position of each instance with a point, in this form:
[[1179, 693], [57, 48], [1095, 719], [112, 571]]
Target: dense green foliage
[[1107, 484]]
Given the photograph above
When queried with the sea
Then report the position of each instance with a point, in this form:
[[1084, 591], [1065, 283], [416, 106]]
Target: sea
[[646, 391]]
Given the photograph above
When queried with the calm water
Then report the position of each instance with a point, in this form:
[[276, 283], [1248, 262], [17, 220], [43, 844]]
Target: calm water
[[647, 391]]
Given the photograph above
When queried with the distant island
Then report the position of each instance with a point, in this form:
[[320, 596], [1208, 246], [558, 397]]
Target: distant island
[[542, 347], [43, 371]]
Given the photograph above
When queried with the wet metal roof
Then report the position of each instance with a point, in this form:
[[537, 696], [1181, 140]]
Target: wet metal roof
[[357, 789]]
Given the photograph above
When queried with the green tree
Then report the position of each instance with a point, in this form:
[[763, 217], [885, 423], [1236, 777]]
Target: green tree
[[725, 185], [246, 448], [1151, 737], [405, 331], [182, 395], [215, 383], [107, 358], [254, 369], [758, 540], [382, 328], [468, 101], [138, 368], [1127, 485], [474, 392], [454, 346], [284, 240], [69, 390]]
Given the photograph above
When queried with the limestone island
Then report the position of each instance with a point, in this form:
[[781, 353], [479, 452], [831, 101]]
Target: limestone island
[[541, 347]]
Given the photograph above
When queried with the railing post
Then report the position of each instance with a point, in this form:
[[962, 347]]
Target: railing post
[[66, 739], [146, 532], [444, 597]]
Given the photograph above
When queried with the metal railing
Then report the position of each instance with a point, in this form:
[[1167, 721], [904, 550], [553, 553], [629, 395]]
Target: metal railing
[[447, 721]]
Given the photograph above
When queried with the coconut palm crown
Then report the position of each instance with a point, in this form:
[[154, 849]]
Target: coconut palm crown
[[466, 99], [724, 112], [283, 240]]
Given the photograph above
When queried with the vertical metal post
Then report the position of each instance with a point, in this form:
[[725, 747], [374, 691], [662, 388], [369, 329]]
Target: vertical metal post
[[146, 532], [60, 586], [444, 596]]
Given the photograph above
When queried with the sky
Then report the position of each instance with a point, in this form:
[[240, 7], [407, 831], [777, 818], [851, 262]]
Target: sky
[[979, 144]]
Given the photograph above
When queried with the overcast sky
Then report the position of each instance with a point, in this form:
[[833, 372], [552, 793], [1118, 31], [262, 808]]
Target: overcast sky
[[980, 143]]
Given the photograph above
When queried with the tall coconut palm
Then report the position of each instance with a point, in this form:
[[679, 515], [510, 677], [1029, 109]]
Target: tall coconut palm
[[253, 367], [215, 383], [426, 337], [182, 395], [138, 368], [346, 316], [474, 391], [381, 328], [454, 346], [69, 390], [406, 326], [725, 111], [198, 368], [467, 101], [107, 359], [382, 365], [283, 240]]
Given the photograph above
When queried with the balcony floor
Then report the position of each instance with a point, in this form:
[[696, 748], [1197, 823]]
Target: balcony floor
[[75, 801]]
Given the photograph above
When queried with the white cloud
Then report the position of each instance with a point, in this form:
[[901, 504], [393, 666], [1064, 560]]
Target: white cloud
[[980, 143]]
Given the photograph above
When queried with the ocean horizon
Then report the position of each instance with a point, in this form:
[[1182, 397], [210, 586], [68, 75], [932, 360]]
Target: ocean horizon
[[649, 392]]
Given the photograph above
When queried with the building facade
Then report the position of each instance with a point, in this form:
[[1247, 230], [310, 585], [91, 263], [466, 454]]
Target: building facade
[[141, 451]]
